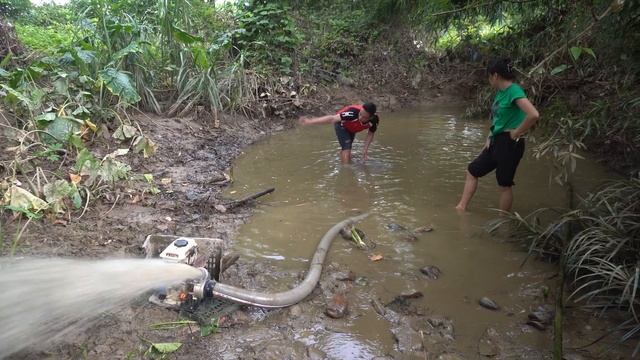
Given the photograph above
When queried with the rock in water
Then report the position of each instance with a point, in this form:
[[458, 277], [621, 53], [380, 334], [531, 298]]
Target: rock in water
[[395, 227], [409, 236], [337, 307], [537, 325], [423, 229], [488, 303], [411, 294], [431, 271]]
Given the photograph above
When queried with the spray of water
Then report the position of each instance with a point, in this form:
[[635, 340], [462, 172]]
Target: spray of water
[[43, 300]]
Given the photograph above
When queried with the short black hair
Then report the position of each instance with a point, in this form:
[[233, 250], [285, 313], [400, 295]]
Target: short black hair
[[369, 107], [501, 67]]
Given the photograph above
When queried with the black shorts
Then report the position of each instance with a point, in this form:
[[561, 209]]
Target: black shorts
[[503, 155], [345, 138]]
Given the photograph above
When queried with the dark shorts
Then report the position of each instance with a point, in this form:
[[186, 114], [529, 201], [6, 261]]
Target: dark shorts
[[503, 155], [345, 138]]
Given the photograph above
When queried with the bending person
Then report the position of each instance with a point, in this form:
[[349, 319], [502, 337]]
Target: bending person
[[347, 122], [512, 114]]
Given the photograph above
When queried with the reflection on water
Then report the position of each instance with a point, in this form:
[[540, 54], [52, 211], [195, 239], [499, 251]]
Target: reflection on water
[[414, 177]]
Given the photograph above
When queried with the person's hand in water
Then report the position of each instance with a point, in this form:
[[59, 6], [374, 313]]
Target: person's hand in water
[[365, 157], [487, 144]]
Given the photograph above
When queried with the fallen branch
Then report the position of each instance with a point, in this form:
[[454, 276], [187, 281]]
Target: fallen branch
[[244, 200]]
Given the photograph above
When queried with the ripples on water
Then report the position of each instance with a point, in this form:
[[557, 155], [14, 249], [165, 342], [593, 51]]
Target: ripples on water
[[414, 176]]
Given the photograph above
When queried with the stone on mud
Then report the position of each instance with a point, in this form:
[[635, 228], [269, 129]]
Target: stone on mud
[[295, 311], [442, 326], [488, 304], [345, 276], [407, 340], [337, 307], [488, 344], [431, 271]]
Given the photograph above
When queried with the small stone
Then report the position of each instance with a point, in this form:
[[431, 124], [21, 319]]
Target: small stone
[[346, 276], [423, 230], [395, 227], [240, 318], [537, 325], [411, 294], [220, 208], [295, 311], [337, 307], [542, 314], [431, 271], [411, 237], [488, 303]]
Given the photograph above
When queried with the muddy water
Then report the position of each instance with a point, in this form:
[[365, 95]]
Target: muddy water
[[414, 178], [47, 299]]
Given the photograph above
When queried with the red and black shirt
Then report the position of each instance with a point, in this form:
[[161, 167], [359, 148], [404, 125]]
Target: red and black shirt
[[349, 120]]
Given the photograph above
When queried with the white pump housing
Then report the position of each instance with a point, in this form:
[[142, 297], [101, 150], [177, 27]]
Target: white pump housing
[[183, 250]]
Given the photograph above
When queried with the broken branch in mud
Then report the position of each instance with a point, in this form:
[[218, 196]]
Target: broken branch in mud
[[239, 202]]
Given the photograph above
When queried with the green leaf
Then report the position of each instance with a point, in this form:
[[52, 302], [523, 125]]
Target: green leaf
[[590, 52], [119, 84], [61, 129], [146, 145], [83, 156], [44, 119], [558, 69], [132, 48], [209, 329], [76, 198], [55, 193], [15, 95], [184, 37], [124, 132], [166, 348], [112, 170], [20, 199], [575, 52], [200, 57]]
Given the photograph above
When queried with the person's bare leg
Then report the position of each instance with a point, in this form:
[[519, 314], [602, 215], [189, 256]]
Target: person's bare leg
[[345, 157], [506, 198], [470, 186]]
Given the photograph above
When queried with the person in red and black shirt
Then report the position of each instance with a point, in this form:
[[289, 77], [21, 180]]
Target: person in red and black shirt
[[348, 121]]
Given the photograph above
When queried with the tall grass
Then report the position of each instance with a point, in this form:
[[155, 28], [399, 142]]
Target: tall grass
[[601, 258]]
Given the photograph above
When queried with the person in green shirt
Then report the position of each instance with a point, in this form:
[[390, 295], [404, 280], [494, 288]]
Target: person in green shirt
[[512, 114]]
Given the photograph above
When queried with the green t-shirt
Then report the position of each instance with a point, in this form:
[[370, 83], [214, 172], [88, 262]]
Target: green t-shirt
[[505, 113]]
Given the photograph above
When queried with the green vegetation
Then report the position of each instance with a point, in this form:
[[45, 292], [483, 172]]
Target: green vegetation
[[85, 66]]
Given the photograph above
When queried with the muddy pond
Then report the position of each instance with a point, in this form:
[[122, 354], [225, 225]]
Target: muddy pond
[[413, 178]]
